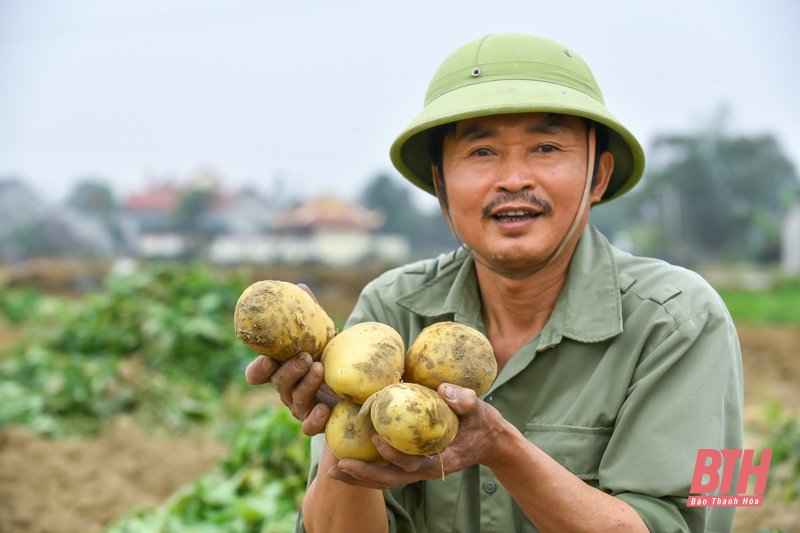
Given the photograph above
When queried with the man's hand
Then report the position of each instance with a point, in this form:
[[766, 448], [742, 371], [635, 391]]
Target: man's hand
[[473, 444], [299, 385]]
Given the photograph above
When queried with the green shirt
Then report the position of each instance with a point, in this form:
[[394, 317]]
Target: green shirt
[[637, 368]]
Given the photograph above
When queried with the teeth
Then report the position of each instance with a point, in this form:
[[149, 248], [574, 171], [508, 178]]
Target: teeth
[[514, 214]]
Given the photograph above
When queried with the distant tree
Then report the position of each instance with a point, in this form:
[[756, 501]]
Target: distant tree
[[709, 195], [192, 215], [193, 205], [394, 201], [426, 231], [92, 196]]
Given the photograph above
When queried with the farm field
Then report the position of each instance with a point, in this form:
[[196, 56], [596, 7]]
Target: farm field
[[80, 483]]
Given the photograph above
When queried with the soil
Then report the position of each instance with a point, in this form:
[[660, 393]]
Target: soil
[[72, 485], [771, 357]]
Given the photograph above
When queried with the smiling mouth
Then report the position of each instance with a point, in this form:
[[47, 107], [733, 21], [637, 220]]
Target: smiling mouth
[[515, 216], [516, 207]]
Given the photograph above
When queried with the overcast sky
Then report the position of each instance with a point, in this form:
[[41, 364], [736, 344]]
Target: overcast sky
[[312, 93]]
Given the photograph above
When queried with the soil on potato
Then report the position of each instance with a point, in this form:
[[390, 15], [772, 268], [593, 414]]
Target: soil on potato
[[71, 485]]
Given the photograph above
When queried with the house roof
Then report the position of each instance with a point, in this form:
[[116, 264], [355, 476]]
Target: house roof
[[160, 198], [329, 212]]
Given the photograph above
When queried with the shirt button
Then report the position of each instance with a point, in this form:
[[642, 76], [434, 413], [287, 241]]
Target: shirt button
[[490, 399], [489, 487]]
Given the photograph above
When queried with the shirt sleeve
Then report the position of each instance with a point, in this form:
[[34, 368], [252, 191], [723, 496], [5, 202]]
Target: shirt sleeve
[[685, 394]]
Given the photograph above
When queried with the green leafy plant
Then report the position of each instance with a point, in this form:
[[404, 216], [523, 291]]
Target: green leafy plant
[[61, 394], [16, 305], [779, 304], [157, 344], [257, 488], [782, 428]]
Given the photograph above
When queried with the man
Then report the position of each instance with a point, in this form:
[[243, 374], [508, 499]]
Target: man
[[613, 370]]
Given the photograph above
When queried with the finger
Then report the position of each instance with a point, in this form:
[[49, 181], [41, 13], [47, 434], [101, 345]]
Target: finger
[[305, 288], [325, 395], [286, 377], [356, 472], [260, 370], [460, 399], [304, 393], [406, 462], [373, 475], [315, 422], [338, 475]]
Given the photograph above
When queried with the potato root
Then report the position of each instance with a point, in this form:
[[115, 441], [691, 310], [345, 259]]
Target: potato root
[[280, 320], [449, 352], [412, 418], [363, 359]]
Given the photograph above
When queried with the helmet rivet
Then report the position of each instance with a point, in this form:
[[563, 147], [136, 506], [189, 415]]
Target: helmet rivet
[[476, 72]]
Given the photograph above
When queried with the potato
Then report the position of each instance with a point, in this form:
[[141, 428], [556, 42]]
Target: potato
[[281, 320], [348, 435], [363, 359], [412, 418], [449, 352]]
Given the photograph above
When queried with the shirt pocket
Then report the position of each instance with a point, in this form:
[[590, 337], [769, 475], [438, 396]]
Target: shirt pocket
[[579, 449]]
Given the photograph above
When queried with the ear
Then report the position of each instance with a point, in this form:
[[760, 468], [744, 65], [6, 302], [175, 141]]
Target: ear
[[605, 167], [441, 194], [439, 187]]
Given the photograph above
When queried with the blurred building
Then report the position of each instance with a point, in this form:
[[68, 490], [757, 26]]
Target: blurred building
[[323, 230], [198, 220], [169, 217], [30, 228], [151, 212], [20, 210]]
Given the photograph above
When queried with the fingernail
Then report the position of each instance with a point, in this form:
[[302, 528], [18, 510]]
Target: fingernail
[[267, 363], [303, 362], [450, 392]]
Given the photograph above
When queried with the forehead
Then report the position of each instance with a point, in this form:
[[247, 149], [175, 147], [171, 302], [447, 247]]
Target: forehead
[[553, 123]]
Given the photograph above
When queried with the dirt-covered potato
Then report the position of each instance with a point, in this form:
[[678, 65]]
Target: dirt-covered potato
[[362, 359], [412, 418], [281, 320], [449, 352], [348, 435]]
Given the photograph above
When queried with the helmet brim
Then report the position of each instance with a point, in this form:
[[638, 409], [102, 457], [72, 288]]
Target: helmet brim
[[410, 153]]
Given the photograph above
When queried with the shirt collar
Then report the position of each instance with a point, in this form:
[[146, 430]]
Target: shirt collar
[[588, 309], [449, 293]]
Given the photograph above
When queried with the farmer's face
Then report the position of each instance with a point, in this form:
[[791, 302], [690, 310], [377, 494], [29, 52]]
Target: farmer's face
[[514, 183]]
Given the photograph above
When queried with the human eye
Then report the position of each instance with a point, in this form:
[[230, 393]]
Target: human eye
[[547, 148], [481, 152]]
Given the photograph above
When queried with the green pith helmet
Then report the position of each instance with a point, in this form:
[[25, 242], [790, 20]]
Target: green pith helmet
[[513, 73]]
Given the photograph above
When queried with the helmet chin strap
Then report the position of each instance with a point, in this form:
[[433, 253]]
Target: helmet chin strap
[[576, 221]]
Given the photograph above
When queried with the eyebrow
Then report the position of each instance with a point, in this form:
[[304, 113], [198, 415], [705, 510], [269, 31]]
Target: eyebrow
[[552, 124], [476, 133]]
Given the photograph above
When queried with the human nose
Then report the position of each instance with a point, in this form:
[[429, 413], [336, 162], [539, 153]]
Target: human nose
[[515, 174]]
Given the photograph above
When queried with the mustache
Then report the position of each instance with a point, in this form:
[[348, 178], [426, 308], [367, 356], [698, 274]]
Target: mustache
[[521, 197]]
